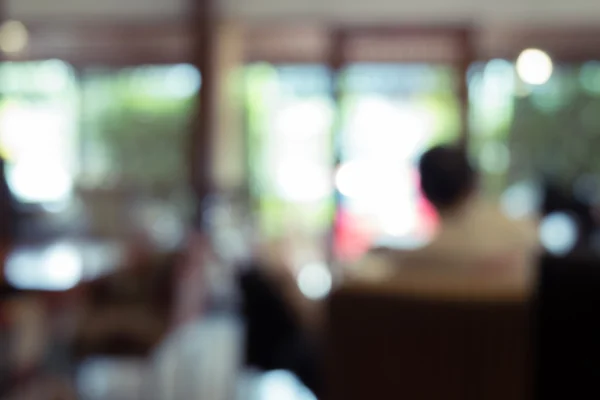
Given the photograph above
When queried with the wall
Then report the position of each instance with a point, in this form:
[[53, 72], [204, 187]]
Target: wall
[[94, 9], [419, 11], [483, 11]]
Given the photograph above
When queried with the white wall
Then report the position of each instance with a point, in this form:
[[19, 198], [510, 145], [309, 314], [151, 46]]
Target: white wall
[[419, 11], [390, 11], [90, 9]]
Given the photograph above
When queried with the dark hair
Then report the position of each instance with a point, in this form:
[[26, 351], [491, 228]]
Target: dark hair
[[446, 176]]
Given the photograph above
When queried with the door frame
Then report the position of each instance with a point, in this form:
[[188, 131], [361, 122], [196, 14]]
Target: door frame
[[359, 44]]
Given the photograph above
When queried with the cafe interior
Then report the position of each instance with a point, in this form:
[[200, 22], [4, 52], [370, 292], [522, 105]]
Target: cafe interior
[[151, 147]]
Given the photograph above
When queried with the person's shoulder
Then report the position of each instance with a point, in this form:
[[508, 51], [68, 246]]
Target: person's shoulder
[[379, 255], [490, 212], [379, 261], [522, 232], [499, 212]]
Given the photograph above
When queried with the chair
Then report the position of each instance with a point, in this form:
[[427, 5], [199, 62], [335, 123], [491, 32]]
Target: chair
[[568, 329], [386, 343], [129, 312]]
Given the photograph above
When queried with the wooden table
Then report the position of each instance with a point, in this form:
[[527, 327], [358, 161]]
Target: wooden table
[[56, 278], [59, 265], [43, 286]]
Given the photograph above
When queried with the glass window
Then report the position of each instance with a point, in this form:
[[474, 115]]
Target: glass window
[[522, 131], [290, 149], [391, 113], [38, 124], [135, 139]]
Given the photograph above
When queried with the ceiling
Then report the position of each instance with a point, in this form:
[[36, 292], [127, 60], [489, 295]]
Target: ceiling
[[61, 10], [503, 28], [388, 11]]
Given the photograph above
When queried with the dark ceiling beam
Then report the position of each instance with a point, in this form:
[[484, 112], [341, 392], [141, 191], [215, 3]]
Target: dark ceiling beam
[[203, 26]]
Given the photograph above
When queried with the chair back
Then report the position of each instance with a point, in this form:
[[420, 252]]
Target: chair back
[[385, 344], [568, 328]]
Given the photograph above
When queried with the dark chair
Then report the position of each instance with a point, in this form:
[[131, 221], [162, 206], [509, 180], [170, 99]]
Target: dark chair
[[145, 297], [274, 338], [568, 329], [386, 344]]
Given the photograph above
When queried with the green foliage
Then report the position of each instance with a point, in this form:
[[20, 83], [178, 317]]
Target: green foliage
[[556, 129], [143, 134]]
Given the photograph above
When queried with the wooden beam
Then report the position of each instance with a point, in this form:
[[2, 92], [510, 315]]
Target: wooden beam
[[286, 44], [336, 64], [568, 44], [101, 43], [202, 29], [466, 58]]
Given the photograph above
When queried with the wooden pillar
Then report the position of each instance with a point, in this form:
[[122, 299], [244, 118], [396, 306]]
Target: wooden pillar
[[192, 289], [229, 164], [336, 64], [8, 215], [467, 57], [202, 27]]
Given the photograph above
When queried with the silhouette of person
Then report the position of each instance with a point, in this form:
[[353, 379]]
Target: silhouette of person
[[474, 235]]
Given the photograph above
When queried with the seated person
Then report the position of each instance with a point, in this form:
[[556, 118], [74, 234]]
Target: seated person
[[474, 237]]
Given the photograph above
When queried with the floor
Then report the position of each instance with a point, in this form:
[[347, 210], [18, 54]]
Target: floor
[[200, 361]]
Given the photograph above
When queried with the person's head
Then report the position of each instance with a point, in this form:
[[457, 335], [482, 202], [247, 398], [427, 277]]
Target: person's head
[[447, 178]]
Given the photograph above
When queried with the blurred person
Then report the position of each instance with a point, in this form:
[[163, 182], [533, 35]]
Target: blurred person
[[474, 235], [281, 324], [9, 218], [8, 215], [278, 319]]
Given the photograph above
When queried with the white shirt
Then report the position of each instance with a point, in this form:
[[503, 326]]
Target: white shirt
[[478, 239]]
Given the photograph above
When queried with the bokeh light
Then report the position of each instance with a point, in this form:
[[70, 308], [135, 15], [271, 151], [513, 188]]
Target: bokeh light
[[282, 385], [302, 181], [13, 37], [58, 268], [521, 200], [31, 181], [350, 179], [558, 233], [494, 158], [534, 66], [314, 280]]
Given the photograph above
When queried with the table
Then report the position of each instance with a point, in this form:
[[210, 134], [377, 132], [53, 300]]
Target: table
[[199, 360], [43, 287], [59, 265]]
